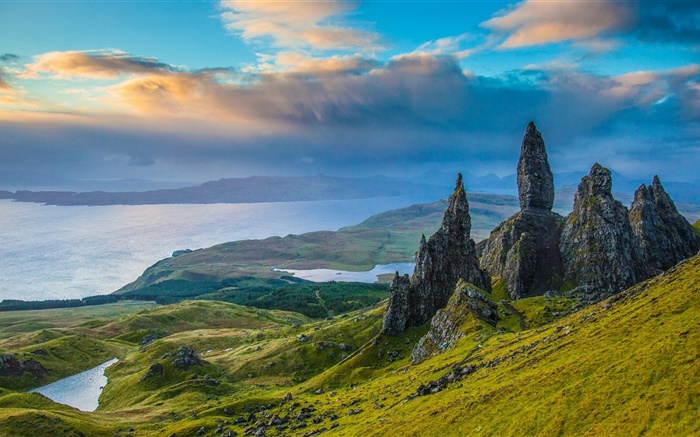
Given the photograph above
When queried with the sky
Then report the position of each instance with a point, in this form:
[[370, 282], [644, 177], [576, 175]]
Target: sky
[[201, 90]]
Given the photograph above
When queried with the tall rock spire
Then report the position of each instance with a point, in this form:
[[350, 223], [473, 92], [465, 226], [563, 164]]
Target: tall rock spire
[[447, 256], [598, 246], [535, 179], [524, 250]]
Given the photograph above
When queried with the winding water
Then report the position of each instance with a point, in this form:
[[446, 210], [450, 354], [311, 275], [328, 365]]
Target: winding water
[[323, 275]]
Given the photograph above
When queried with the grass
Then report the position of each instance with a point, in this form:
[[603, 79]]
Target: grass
[[627, 366], [696, 228]]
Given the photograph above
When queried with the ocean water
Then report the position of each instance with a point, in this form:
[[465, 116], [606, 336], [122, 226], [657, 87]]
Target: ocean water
[[67, 252], [81, 390]]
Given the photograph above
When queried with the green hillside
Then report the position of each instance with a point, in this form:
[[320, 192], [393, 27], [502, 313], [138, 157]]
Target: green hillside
[[627, 366]]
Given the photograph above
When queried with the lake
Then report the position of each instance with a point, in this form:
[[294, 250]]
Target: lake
[[81, 390], [323, 275], [68, 252]]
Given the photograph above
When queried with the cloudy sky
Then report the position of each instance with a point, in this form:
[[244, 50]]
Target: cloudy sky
[[200, 90]]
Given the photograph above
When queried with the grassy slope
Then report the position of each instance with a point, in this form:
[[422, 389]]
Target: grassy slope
[[696, 227], [628, 366]]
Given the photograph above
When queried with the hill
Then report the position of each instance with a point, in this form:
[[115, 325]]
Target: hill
[[252, 189], [628, 365]]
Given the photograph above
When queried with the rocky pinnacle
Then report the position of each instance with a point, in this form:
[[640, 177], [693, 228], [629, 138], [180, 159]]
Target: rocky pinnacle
[[598, 246], [447, 256], [535, 179], [665, 235]]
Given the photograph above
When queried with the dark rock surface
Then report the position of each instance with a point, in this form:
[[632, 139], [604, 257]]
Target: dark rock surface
[[535, 179], [467, 301], [449, 255], [665, 235], [524, 250], [598, 246], [186, 357], [11, 366]]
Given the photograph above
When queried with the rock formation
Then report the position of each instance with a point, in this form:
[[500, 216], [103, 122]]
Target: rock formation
[[535, 179], [447, 325], [598, 246], [449, 255], [524, 250], [666, 236]]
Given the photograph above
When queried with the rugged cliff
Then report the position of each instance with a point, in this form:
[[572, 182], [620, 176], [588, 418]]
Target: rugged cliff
[[598, 246]]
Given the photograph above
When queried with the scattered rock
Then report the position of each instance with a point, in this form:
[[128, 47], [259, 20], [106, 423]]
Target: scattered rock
[[155, 370], [11, 366], [186, 357]]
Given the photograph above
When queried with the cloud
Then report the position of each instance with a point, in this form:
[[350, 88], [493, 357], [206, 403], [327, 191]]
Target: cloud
[[413, 111], [676, 22], [298, 25], [449, 46], [297, 63], [4, 85], [536, 23], [9, 57], [101, 64]]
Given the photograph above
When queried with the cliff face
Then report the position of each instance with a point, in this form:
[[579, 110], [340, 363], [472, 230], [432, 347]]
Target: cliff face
[[598, 246], [449, 324], [524, 250], [447, 256], [665, 236]]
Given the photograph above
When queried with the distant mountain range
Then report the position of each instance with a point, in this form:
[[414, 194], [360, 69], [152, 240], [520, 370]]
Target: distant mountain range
[[257, 189]]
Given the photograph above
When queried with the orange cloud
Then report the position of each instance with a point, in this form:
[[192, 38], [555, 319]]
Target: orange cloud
[[294, 24], [536, 23], [92, 64], [296, 63]]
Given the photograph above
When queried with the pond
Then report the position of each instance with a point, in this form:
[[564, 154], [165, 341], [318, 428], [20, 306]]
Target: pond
[[81, 390], [324, 275]]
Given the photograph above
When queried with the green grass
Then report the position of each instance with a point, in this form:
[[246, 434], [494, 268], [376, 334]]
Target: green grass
[[627, 366], [696, 228]]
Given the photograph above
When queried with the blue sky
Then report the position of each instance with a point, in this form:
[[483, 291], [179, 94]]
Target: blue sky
[[198, 90]]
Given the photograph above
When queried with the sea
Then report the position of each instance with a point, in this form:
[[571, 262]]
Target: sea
[[69, 252]]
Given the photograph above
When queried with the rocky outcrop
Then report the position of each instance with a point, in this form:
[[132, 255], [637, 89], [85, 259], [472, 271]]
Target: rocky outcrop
[[449, 255], [598, 246], [186, 357], [524, 250], [448, 324], [664, 234], [11, 366], [535, 179]]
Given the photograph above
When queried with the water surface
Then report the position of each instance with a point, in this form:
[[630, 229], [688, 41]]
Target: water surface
[[81, 391], [324, 275], [68, 252]]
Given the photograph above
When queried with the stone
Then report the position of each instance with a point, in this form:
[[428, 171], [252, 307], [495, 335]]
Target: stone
[[345, 347], [535, 179], [11, 366], [524, 250], [155, 370], [467, 302], [449, 255], [186, 357], [598, 247], [665, 235]]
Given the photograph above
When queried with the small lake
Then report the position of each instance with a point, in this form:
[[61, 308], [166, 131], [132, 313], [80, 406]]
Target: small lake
[[324, 275], [81, 391]]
